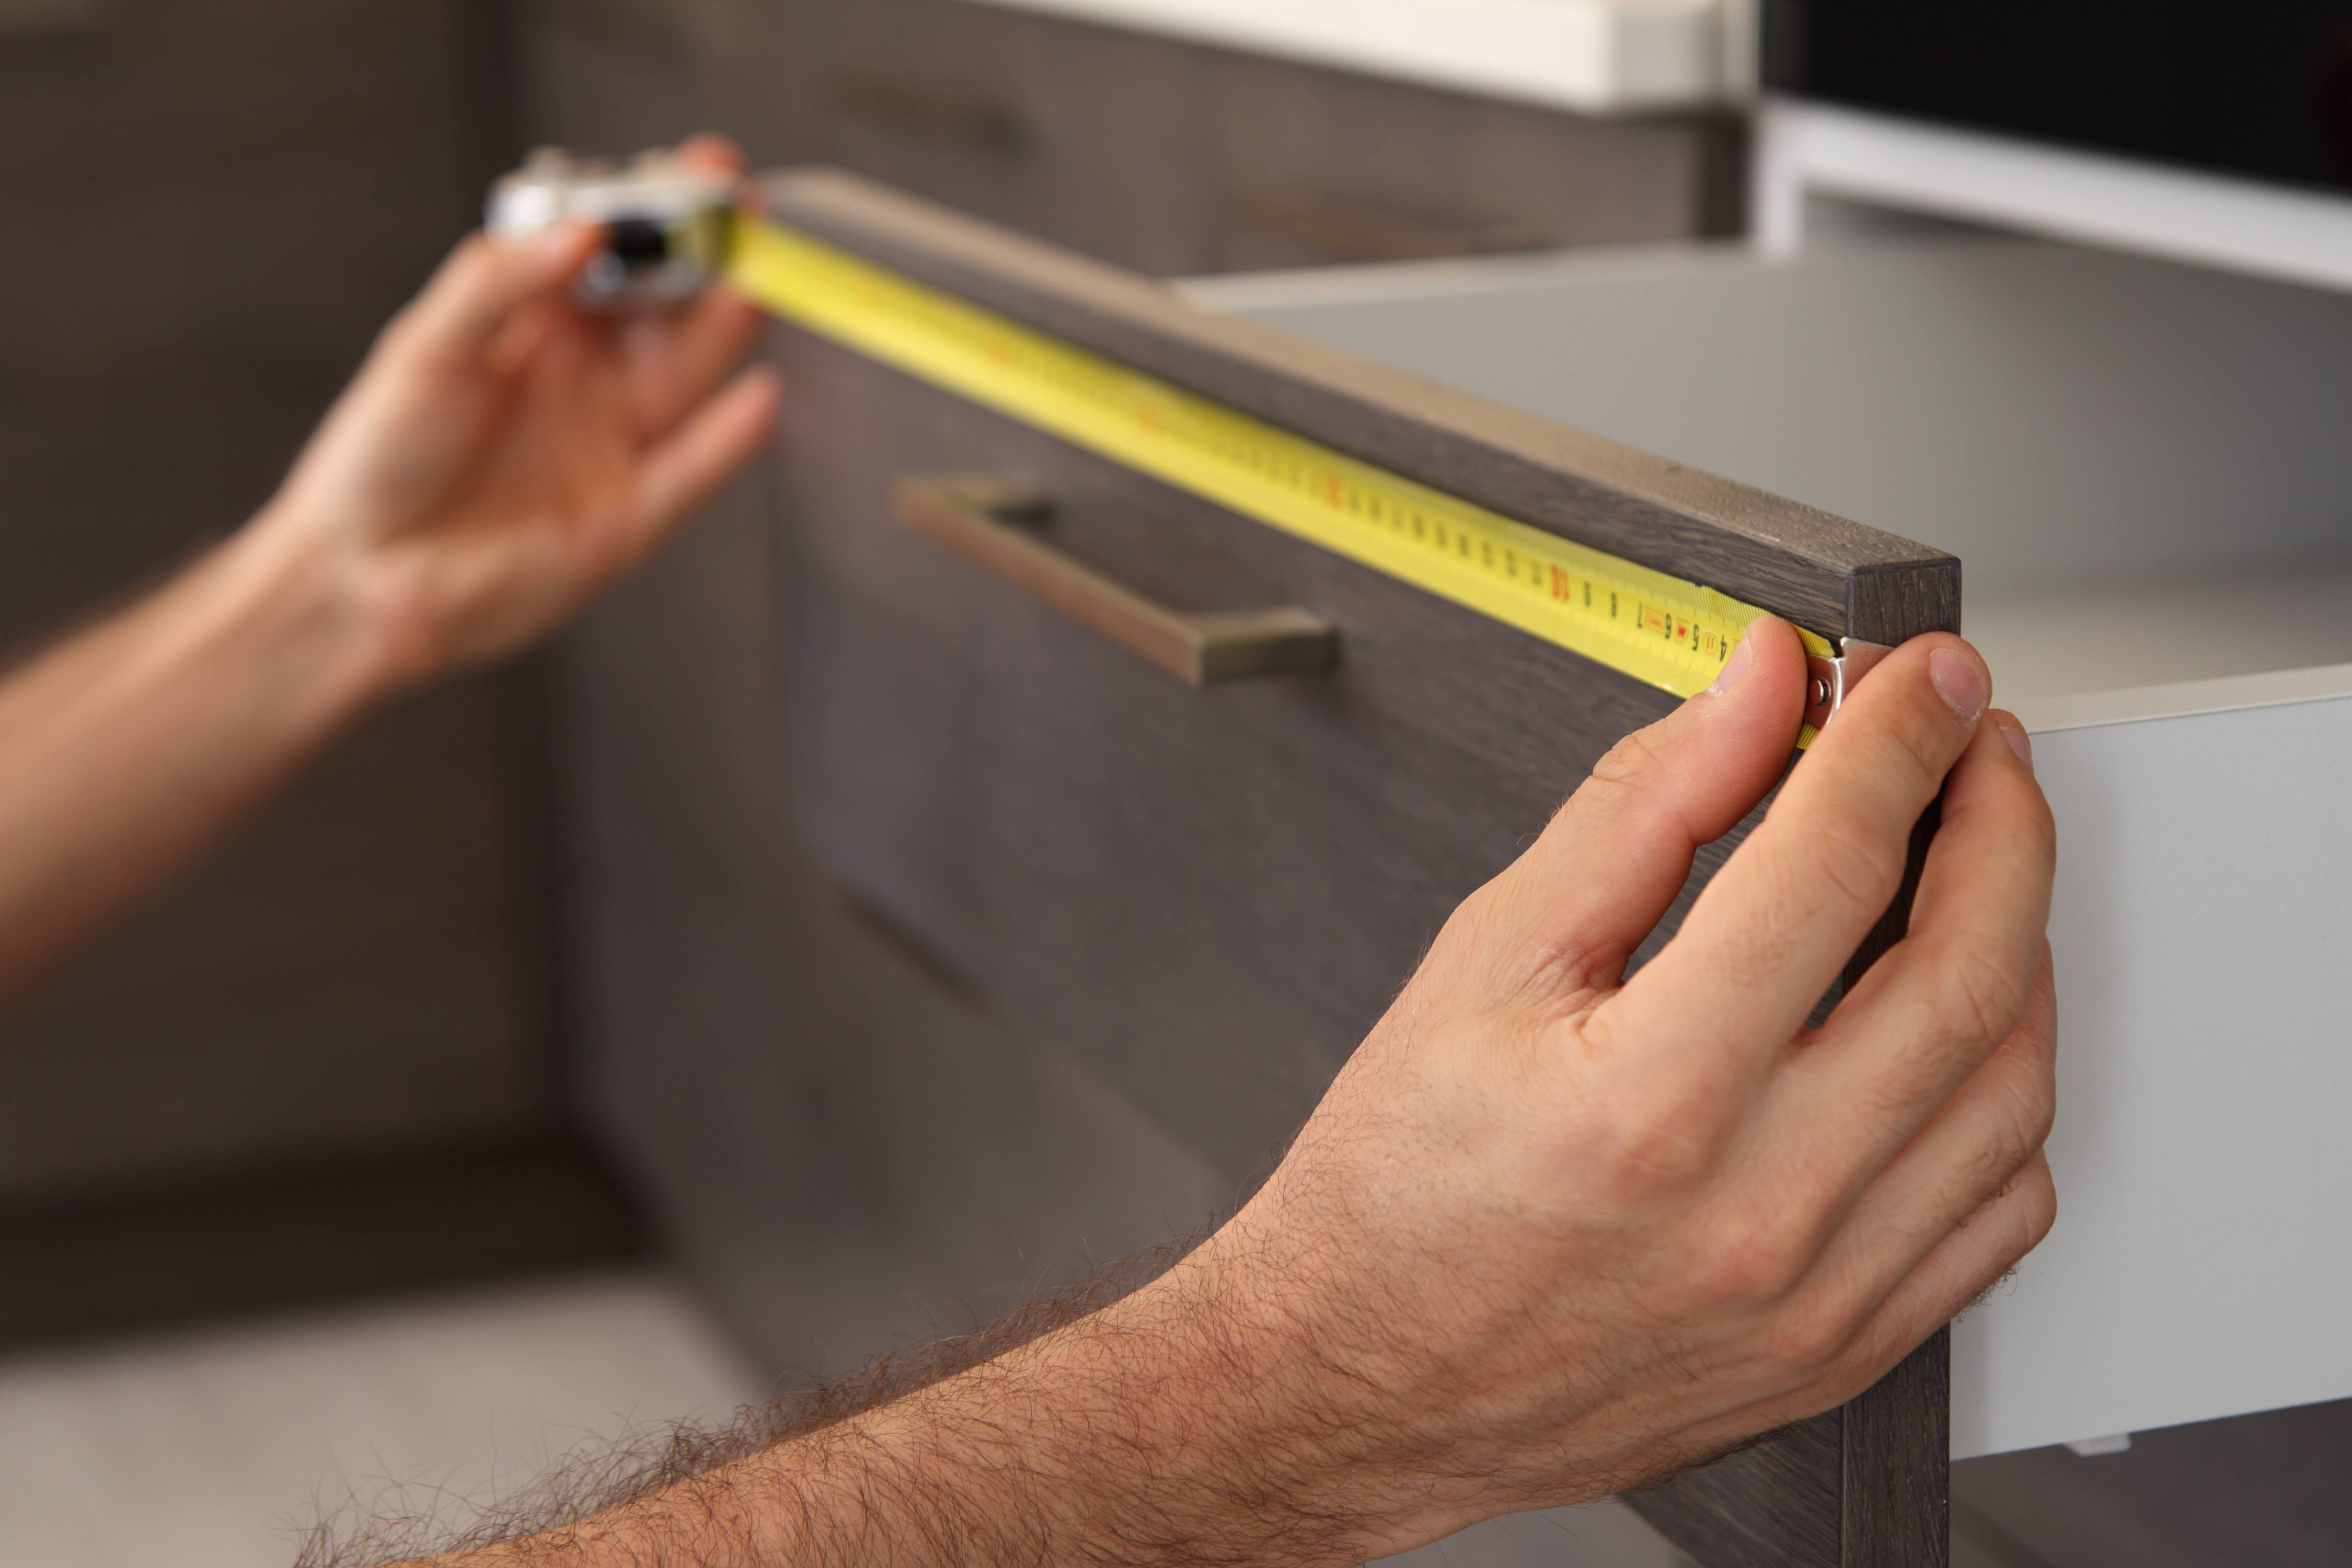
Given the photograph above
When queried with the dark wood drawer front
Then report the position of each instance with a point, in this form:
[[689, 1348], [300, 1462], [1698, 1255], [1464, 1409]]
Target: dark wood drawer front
[[1208, 893]]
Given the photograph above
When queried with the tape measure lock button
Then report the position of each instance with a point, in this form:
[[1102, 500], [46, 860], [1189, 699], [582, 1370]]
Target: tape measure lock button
[[1831, 677]]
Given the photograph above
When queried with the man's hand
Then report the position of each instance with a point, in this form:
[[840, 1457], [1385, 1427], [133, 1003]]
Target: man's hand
[[500, 458], [503, 455], [1551, 1233]]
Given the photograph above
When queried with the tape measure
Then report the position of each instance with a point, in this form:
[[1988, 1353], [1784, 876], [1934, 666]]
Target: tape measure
[[1658, 629]]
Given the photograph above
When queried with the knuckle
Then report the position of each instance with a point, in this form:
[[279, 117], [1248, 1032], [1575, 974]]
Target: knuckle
[[1632, 764], [1981, 992], [1860, 869], [1917, 739], [2004, 1168], [2035, 1103], [2026, 831], [1473, 921], [2039, 1206], [1992, 1173], [2029, 840], [1658, 1154], [2039, 831], [1478, 944], [1651, 1142], [1749, 1263], [1869, 1353], [2020, 1216], [1807, 1338]]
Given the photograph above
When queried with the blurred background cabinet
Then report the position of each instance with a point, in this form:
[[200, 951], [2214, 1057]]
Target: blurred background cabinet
[[1159, 155], [282, 1071]]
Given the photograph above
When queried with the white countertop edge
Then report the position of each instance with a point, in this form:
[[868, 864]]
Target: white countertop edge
[[2123, 204], [1598, 56], [2188, 699], [1359, 283]]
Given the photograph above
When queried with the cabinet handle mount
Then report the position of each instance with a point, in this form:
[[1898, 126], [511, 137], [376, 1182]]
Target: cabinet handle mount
[[990, 521]]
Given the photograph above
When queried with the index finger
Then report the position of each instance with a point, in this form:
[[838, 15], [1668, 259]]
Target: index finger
[[1775, 928]]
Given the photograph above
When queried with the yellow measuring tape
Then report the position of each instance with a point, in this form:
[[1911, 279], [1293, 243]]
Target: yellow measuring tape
[[1652, 625]]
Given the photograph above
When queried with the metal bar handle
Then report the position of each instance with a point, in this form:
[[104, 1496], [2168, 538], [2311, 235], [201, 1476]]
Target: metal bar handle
[[979, 517]]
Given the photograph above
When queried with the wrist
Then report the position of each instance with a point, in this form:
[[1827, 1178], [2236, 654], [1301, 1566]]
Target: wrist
[[1295, 1420], [1180, 1424], [283, 579]]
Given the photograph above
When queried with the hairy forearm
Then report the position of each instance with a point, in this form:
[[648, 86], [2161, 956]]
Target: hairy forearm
[[1168, 1429], [134, 743]]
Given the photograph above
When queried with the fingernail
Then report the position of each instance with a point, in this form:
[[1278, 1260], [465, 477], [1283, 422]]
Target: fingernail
[[1735, 669], [2019, 741], [1960, 679]]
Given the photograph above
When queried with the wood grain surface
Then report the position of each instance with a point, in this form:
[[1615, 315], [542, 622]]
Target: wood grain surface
[[1209, 895], [1828, 572]]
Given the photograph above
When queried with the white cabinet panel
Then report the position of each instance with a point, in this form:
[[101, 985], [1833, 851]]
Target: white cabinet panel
[[2201, 1265], [2144, 471]]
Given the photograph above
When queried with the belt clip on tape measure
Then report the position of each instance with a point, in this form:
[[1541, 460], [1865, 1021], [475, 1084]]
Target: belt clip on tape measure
[[674, 228]]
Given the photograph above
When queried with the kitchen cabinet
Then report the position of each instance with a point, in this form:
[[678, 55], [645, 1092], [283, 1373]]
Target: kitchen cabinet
[[1166, 156], [1206, 895], [1171, 887], [2135, 461]]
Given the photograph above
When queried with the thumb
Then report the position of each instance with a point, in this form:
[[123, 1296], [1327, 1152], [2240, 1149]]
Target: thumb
[[487, 280], [1604, 872]]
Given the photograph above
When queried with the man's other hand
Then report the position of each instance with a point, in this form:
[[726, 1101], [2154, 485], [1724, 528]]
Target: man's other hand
[[503, 455]]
